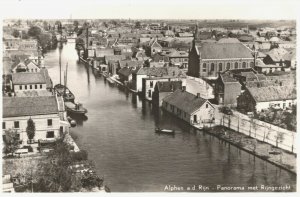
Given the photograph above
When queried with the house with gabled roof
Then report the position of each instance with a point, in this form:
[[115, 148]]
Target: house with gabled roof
[[188, 107], [153, 47], [164, 88], [227, 89], [257, 99], [25, 66], [44, 111], [154, 73]]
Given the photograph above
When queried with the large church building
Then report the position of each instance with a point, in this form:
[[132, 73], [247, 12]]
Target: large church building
[[207, 59]]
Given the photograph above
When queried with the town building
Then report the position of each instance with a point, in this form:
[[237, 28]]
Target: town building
[[25, 66], [227, 89], [164, 88], [189, 107], [151, 72], [257, 99], [42, 110], [208, 59], [25, 82]]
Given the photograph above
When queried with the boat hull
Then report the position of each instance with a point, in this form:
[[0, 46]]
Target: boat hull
[[68, 96]]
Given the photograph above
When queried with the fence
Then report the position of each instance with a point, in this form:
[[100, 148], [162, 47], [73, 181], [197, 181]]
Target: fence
[[261, 131]]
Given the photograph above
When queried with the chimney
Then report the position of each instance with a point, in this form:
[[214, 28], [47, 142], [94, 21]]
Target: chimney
[[183, 88], [198, 95]]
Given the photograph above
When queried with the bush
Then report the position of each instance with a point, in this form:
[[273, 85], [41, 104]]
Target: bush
[[79, 156], [30, 149]]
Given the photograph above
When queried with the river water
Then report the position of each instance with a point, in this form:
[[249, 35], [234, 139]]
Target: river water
[[119, 137]]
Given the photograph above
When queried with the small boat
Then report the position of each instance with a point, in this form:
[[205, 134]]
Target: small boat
[[166, 131], [274, 152], [64, 92], [75, 108]]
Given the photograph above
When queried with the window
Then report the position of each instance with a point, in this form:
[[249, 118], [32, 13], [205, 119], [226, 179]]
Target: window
[[236, 65], [206, 105], [49, 122], [20, 87], [228, 66], [32, 70], [41, 86], [25, 87], [30, 87], [36, 70], [184, 114], [3, 125], [16, 124], [151, 84], [252, 64], [50, 134], [212, 67], [35, 86], [244, 64], [204, 67], [220, 66]]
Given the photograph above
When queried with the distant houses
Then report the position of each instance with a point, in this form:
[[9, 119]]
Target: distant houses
[[189, 107]]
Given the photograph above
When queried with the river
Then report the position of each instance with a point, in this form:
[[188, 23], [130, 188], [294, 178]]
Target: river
[[119, 137]]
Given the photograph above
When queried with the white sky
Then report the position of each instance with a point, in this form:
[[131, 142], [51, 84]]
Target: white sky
[[151, 9]]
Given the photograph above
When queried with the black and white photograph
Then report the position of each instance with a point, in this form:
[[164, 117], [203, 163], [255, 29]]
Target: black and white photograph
[[149, 96]]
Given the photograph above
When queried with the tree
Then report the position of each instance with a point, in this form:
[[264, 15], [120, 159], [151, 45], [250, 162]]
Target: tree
[[30, 130], [138, 24], [16, 33], [34, 31], [24, 35], [11, 141]]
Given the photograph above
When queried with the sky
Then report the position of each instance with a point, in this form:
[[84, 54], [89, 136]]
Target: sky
[[154, 9]]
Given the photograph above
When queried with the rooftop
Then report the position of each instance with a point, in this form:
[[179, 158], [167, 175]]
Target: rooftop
[[273, 93], [185, 101], [224, 51], [168, 86], [29, 106], [28, 78]]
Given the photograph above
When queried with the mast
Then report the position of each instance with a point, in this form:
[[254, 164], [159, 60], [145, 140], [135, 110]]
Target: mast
[[66, 74], [60, 48]]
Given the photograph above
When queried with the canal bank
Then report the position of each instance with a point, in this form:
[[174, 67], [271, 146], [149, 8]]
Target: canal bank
[[119, 137]]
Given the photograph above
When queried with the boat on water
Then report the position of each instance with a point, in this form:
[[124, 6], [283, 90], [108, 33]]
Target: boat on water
[[75, 108], [164, 131], [63, 91]]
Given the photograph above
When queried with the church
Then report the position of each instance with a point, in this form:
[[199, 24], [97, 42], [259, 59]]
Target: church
[[207, 59]]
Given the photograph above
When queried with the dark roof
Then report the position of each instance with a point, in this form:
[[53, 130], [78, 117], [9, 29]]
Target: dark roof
[[24, 78], [185, 101], [29, 106], [130, 63], [273, 93], [224, 51], [125, 71], [161, 71], [226, 78], [168, 86]]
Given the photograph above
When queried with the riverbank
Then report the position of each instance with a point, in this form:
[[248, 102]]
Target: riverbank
[[262, 150], [267, 152]]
